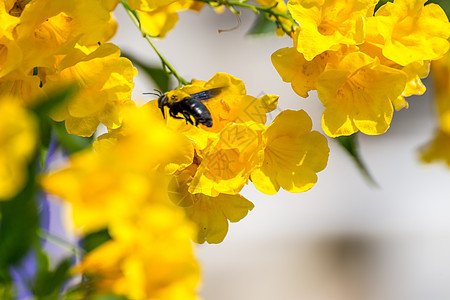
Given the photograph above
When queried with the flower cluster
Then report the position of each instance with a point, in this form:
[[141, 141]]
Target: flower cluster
[[46, 45], [362, 62], [239, 148]]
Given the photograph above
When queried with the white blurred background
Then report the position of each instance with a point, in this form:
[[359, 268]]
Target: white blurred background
[[341, 240]]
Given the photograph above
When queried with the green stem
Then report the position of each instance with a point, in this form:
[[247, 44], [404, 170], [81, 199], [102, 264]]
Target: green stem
[[77, 251], [166, 65], [257, 9]]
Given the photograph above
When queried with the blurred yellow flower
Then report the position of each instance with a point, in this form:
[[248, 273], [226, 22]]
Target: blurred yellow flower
[[149, 257], [358, 94], [441, 78], [126, 171], [106, 82], [18, 140], [437, 149], [292, 156]]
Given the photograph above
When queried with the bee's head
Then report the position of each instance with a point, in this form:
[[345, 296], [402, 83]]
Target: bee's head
[[162, 100]]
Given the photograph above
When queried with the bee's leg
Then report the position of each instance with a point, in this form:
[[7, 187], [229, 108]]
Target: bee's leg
[[177, 117], [188, 118]]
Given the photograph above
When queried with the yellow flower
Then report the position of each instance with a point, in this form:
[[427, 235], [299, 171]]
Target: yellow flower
[[210, 214], [106, 82], [149, 5], [149, 257], [227, 162], [159, 21], [301, 73], [48, 28], [325, 24], [410, 31], [358, 94], [292, 156], [18, 140], [24, 88], [10, 53], [109, 5], [414, 71]]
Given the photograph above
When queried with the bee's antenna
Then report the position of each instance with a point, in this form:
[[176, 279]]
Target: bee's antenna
[[158, 93]]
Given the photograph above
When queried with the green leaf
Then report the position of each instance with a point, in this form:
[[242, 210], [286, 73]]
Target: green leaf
[[19, 223], [70, 142], [49, 282], [381, 3], [445, 4], [58, 97], [95, 239], [5, 288], [42, 109], [350, 144], [159, 76], [262, 25], [109, 297]]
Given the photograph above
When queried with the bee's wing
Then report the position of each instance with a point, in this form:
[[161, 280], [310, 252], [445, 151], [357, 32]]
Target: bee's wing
[[205, 95]]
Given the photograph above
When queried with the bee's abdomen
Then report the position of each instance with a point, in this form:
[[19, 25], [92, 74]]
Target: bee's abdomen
[[199, 111]]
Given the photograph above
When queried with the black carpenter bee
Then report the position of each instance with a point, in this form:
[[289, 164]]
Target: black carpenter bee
[[188, 105]]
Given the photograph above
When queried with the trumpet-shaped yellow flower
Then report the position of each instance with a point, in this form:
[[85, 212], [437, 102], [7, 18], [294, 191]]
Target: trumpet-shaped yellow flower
[[24, 88], [411, 31], [10, 53], [159, 21], [228, 161], [414, 71], [149, 257], [292, 156], [301, 73], [210, 214], [358, 95], [56, 26], [106, 82], [18, 139], [326, 24]]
